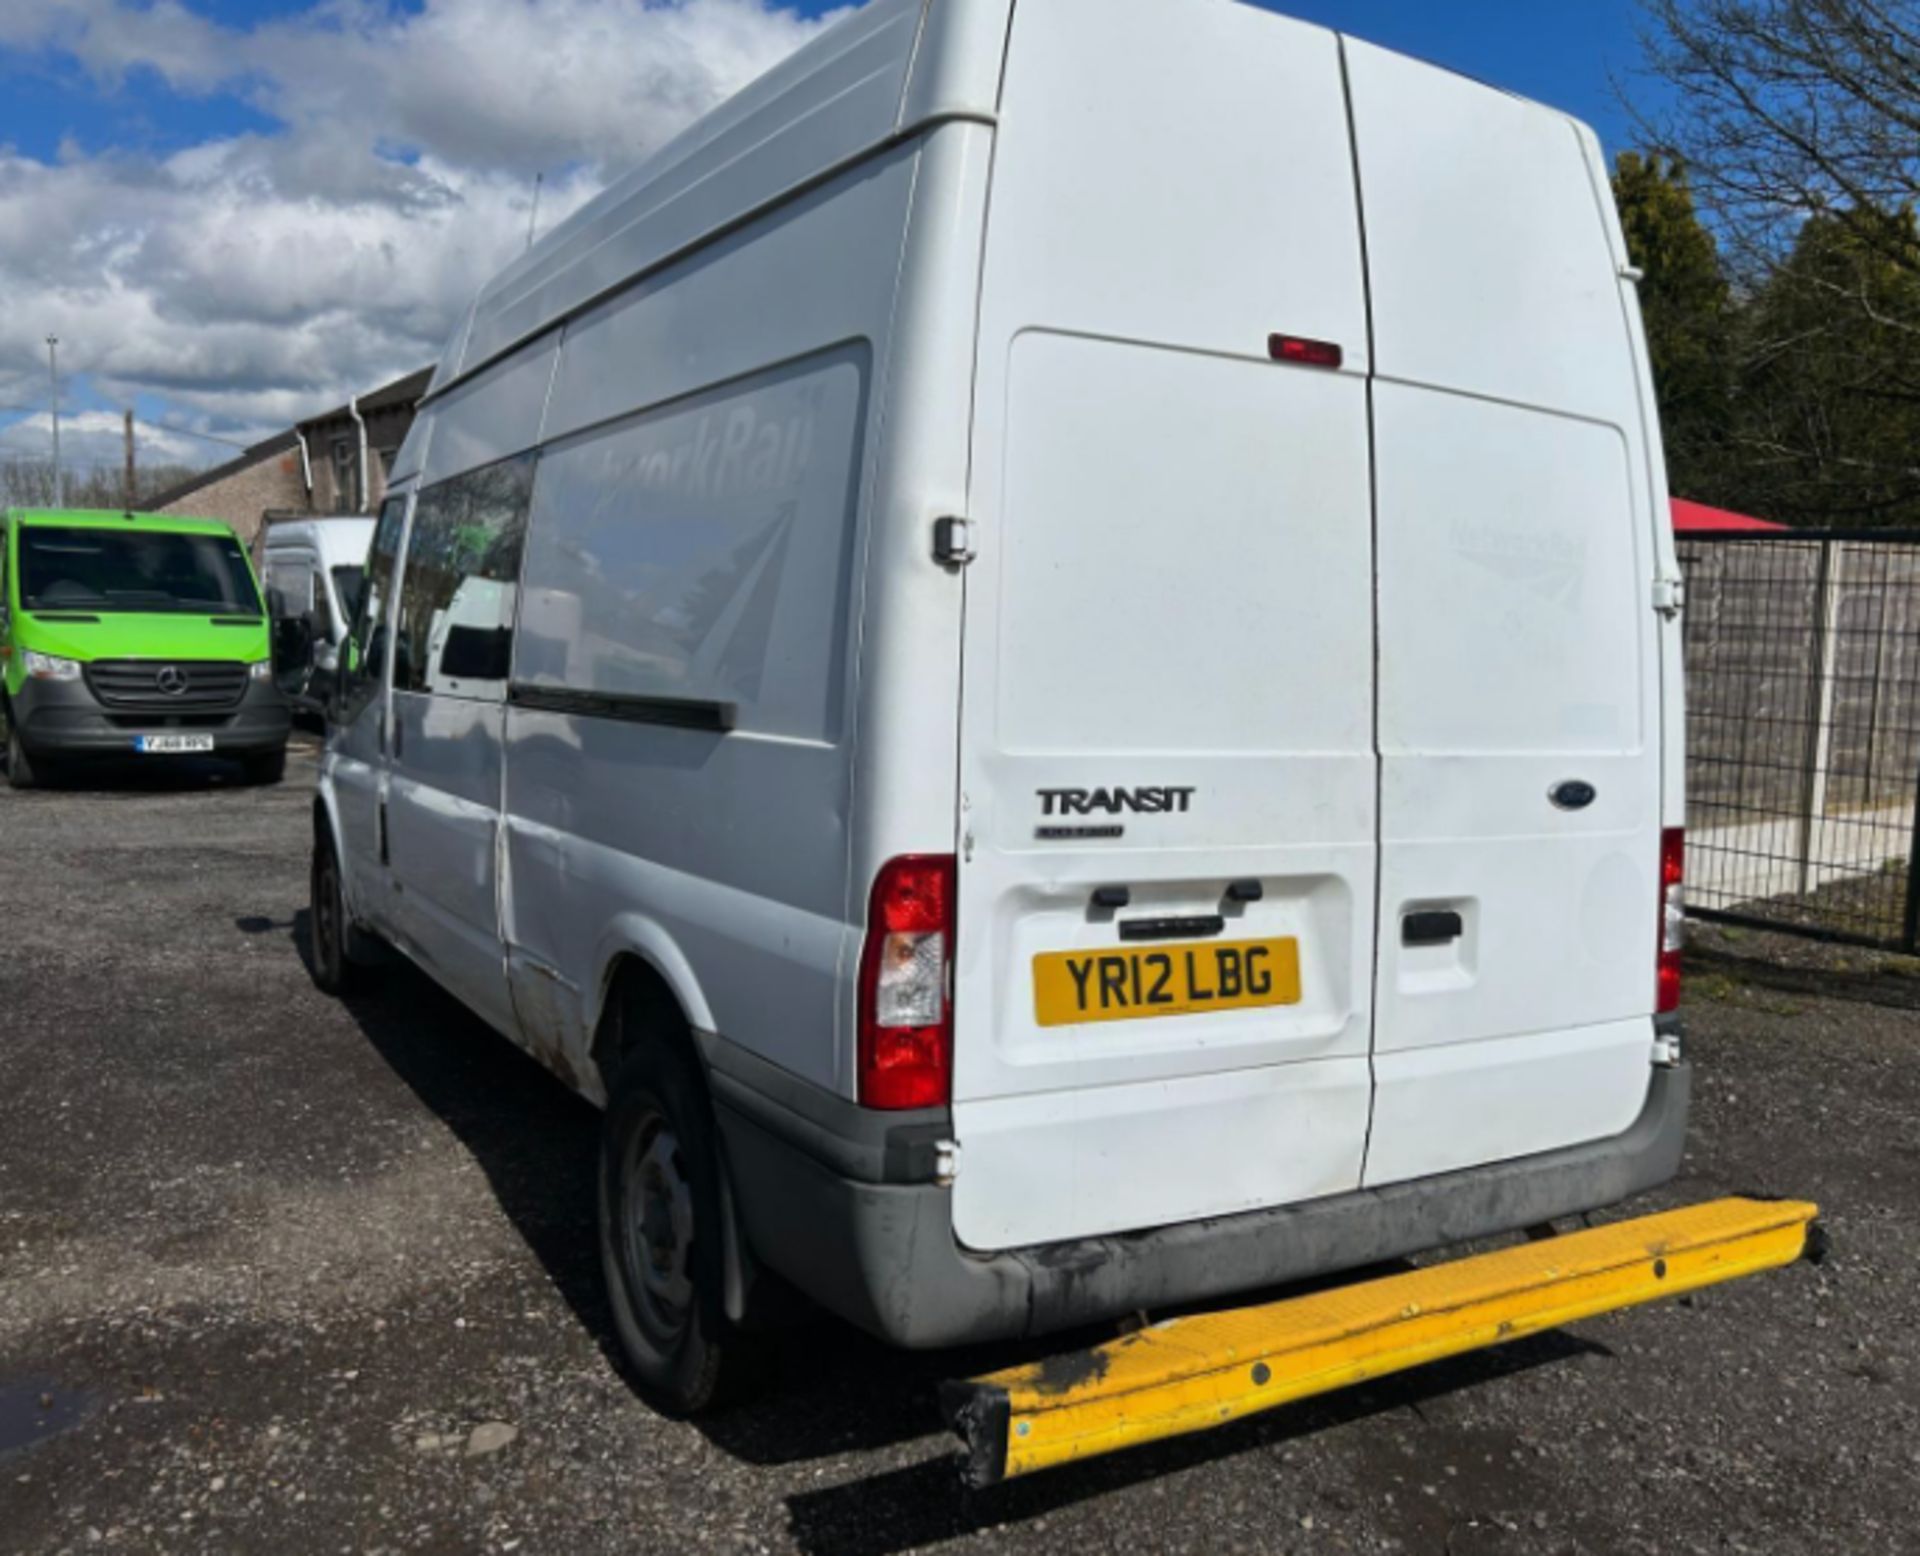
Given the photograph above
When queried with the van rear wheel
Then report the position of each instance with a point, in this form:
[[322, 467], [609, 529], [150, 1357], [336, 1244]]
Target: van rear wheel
[[660, 1237]]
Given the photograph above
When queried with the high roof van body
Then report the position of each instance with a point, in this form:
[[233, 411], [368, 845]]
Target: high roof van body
[[1070, 693]]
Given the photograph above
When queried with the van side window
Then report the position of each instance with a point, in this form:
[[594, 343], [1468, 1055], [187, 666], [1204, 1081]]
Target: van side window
[[367, 647], [463, 571], [701, 550]]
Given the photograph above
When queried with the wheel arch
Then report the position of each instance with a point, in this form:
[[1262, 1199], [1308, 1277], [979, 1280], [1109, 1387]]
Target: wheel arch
[[638, 956], [326, 821], [642, 965]]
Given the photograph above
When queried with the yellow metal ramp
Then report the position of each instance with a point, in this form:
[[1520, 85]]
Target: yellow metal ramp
[[1190, 1374]]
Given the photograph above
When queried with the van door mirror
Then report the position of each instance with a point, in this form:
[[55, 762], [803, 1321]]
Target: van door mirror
[[292, 648], [276, 603], [325, 675]]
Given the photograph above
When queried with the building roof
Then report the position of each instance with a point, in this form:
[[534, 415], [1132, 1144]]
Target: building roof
[[402, 391], [1694, 518], [279, 443]]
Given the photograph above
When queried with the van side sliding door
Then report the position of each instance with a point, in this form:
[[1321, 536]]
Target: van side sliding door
[[357, 754], [453, 648]]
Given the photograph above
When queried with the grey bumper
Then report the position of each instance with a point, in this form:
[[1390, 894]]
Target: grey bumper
[[815, 1205], [62, 719]]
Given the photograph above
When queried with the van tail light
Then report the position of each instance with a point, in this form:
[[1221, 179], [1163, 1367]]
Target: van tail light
[[906, 985], [1673, 919]]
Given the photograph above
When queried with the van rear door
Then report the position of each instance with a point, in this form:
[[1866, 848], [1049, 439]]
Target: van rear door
[[1166, 890], [1519, 673]]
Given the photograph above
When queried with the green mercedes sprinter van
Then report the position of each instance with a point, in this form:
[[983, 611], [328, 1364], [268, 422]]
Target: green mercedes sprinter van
[[133, 635]]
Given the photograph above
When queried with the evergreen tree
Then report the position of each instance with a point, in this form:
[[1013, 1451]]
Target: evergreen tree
[[1689, 313], [1828, 430]]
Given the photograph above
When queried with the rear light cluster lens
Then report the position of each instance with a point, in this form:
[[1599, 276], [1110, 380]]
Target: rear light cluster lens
[[906, 988], [1673, 918]]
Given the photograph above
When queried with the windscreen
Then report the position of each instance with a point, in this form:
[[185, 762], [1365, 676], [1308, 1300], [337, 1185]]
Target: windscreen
[[134, 570]]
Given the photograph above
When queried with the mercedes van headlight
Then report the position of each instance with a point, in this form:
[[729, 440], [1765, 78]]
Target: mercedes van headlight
[[51, 667], [261, 670]]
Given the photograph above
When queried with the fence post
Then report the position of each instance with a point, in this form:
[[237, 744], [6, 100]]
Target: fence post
[[1910, 928], [1820, 695]]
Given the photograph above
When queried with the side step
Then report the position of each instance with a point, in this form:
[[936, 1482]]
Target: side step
[[1190, 1374]]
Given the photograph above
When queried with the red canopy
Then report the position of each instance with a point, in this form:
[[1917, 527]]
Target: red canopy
[[1693, 518]]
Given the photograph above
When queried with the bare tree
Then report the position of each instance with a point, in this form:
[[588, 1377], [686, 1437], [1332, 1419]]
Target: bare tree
[[1798, 125], [29, 483], [1788, 109]]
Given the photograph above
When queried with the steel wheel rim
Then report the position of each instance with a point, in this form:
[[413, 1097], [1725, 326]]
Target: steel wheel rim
[[656, 1229]]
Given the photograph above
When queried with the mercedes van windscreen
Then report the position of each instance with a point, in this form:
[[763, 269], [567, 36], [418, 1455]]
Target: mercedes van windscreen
[[144, 571]]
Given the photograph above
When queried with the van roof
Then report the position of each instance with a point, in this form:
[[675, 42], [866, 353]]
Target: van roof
[[880, 73], [115, 518], [331, 534], [318, 524]]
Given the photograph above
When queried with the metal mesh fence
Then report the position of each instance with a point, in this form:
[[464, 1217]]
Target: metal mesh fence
[[1803, 732]]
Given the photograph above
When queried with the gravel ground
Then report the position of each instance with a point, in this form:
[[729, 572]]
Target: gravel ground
[[281, 1275]]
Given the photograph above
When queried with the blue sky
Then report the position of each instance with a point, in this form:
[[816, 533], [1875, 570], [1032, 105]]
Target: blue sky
[[237, 211], [1560, 51]]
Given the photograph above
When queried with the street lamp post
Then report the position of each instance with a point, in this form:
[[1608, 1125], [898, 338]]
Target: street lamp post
[[53, 388]]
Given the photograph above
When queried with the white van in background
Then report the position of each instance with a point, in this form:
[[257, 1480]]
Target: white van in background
[[313, 568], [1085, 705]]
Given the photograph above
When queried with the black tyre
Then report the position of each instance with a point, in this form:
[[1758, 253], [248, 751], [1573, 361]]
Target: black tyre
[[329, 927], [661, 1238], [20, 773], [267, 769]]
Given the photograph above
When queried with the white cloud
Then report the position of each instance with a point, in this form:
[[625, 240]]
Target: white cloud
[[257, 277]]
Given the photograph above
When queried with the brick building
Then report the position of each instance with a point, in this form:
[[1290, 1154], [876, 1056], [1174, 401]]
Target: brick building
[[243, 490], [351, 448], [336, 462]]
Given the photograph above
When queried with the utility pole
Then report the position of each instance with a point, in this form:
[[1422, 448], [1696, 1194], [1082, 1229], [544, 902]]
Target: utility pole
[[533, 215], [53, 387], [127, 483]]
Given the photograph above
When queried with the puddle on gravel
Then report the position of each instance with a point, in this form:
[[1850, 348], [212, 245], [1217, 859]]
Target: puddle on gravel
[[33, 1410]]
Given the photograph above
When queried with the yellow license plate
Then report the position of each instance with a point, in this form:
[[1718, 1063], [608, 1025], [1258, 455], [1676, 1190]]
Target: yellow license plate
[[1130, 983]]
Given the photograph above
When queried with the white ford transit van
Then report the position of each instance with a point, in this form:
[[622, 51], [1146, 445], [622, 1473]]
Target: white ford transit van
[[1068, 696]]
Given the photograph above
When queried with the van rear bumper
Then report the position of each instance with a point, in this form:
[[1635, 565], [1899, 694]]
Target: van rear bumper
[[882, 1254]]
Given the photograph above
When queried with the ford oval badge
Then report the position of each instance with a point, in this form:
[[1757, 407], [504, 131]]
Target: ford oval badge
[[1573, 794]]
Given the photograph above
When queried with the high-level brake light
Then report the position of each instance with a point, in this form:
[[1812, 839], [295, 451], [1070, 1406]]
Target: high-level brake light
[[1302, 352]]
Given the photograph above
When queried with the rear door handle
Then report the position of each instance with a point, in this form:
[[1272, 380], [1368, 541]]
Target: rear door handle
[[1433, 927]]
